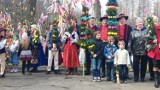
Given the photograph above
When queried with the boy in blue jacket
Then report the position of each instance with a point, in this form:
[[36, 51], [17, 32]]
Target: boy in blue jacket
[[109, 51]]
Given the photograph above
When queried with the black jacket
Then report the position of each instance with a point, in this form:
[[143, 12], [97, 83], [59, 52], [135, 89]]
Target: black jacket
[[98, 48], [136, 44]]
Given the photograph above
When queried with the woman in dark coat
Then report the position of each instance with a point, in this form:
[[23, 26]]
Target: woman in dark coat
[[136, 46]]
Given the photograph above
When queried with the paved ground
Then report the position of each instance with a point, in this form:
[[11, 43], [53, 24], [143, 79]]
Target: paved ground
[[41, 81]]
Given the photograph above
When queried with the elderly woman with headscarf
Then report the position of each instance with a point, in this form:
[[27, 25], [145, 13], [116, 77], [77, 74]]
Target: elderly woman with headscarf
[[136, 46]]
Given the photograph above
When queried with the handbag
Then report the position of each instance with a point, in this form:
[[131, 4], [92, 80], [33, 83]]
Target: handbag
[[34, 61]]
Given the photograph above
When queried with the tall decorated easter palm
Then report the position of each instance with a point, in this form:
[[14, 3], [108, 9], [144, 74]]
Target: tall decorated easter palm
[[82, 37], [112, 7], [151, 35]]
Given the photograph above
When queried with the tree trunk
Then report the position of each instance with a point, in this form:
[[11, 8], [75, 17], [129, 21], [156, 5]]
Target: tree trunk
[[97, 9], [32, 6]]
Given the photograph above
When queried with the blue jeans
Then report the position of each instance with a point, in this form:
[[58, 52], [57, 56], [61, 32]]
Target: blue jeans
[[96, 63], [123, 72], [14, 58], [110, 70]]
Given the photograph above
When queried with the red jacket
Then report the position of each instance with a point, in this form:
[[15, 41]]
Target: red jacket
[[156, 52]]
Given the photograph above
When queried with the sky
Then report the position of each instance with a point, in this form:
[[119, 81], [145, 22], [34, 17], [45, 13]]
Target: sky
[[103, 5]]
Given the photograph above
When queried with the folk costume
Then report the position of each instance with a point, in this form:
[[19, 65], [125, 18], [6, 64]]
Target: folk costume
[[124, 30], [70, 58], [155, 56], [25, 54], [39, 58], [104, 30], [2, 53], [53, 44]]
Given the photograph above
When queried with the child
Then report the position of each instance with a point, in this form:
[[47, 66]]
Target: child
[[109, 51], [121, 61], [97, 56], [13, 48], [25, 51]]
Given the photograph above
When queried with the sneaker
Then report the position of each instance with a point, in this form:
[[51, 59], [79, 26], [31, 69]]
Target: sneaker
[[94, 79], [12, 71], [16, 70], [98, 79]]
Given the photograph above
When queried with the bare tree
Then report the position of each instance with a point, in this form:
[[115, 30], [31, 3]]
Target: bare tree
[[32, 6], [97, 9]]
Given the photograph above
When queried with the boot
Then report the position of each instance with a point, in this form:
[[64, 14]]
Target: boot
[[156, 79]]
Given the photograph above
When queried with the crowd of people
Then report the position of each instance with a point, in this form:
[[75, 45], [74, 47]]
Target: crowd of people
[[110, 58]]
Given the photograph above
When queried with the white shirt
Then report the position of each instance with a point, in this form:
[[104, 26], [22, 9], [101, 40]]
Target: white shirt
[[121, 57], [14, 45], [2, 43], [24, 35]]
